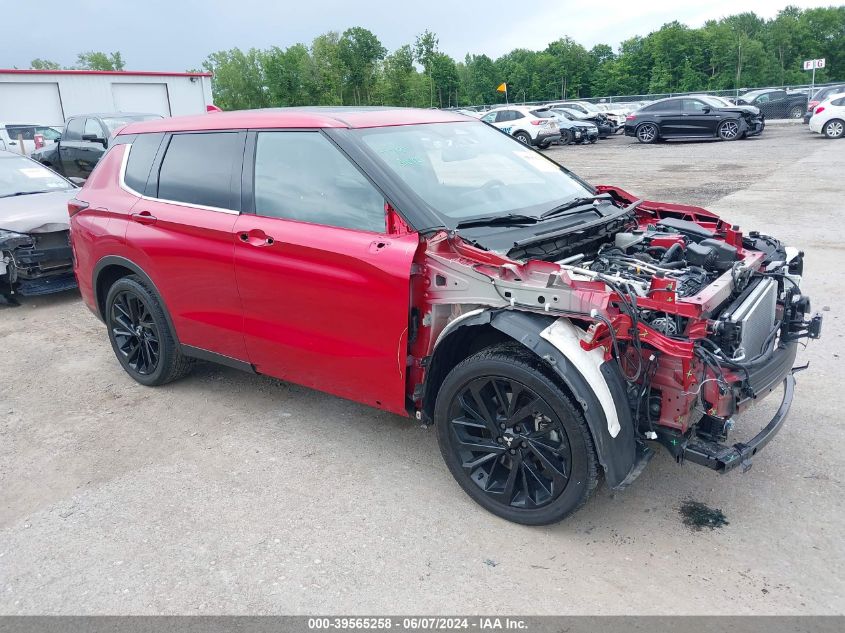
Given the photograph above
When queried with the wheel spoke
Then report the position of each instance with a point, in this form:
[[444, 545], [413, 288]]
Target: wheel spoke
[[558, 470]]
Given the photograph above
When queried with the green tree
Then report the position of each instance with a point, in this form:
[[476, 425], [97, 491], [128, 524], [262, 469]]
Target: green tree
[[360, 51], [425, 49], [43, 64], [95, 60], [238, 81]]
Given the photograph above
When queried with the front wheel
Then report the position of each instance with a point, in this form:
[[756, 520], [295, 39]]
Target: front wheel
[[834, 128], [729, 130], [565, 137], [513, 439], [523, 137], [647, 133], [140, 335], [796, 112]]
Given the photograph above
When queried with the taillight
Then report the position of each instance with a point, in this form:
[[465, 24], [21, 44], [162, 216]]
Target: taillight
[[630, 117], [812, 105], [538, 122], [74, 206], [819, 110]]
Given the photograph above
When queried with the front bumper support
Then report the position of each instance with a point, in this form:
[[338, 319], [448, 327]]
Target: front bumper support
[[723, 458]]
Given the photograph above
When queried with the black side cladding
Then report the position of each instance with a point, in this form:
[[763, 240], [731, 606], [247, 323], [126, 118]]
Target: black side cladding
[[618, 455]]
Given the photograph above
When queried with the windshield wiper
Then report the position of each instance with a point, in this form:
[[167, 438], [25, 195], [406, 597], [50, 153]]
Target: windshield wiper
[[510, 219], [574, 204], [21, 193]]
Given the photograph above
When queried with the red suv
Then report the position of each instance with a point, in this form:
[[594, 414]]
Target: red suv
[[425, 263]]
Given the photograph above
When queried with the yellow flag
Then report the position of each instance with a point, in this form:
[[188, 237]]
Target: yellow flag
[[502, 88]]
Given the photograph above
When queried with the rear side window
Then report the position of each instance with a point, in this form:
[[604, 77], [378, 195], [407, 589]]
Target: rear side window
[[142, 153], [303, 176], [73, 130], [838, 102], [25, 131], [197, 169]]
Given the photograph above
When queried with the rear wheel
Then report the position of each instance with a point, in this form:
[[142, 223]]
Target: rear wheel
[[647, 133], [140, 335], [729, 130], [565, 137], [513, 440], [545, 145], [834, 128], [796, 112], [523, 137]]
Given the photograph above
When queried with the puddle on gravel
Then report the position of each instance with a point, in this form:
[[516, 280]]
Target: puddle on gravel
[[698, 516]]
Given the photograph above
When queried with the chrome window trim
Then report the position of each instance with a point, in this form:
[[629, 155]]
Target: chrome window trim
[[190, 205]]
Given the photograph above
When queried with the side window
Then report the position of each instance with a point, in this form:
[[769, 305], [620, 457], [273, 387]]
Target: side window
[[27, 132], [73, 130], [503, 116], [142, 153], [302, 176], [92, 126], [489, 118], [516, 115], [197, 169], [692, 106], [838, 102], [763, 98]]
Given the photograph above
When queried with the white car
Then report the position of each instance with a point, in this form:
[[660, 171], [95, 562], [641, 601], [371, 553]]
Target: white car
[[524, 124], [15, 137], [829, 117]]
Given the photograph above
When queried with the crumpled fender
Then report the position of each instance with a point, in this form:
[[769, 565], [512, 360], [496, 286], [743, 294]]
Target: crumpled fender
[[608, 415]]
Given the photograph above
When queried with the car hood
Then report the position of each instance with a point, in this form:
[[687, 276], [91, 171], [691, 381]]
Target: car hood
[[750, 109], [36, 213]]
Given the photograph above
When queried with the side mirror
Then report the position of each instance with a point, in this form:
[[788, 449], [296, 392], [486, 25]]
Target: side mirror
[[706, 109], [94, 138]]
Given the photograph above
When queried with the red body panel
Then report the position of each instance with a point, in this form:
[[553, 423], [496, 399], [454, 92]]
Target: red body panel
[[188, 253], [327, 307]]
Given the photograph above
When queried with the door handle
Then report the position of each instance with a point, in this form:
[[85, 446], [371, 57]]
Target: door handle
[[256, 237], [144, 217]]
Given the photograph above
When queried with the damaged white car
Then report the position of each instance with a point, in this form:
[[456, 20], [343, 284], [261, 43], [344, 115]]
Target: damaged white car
[[35, 255]]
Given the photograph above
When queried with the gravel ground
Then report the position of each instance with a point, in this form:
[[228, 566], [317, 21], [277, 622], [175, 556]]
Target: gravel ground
[[232, 493]]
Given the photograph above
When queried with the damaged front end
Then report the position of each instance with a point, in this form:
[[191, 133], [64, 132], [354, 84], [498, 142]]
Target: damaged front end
[[663, 321], [35, 263]]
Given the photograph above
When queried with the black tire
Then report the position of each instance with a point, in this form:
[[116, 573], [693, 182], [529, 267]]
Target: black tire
[[796, 112], [835, 128], [140, 335], [541, 482], [565, 137], [593, 140], [545, 145], [522, 137], [647, 133], [728, 130]]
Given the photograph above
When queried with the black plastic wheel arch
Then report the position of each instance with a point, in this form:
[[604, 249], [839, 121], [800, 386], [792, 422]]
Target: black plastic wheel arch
[[617, 455]]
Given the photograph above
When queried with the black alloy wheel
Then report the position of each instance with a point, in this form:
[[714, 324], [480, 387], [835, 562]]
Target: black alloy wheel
[[140, 333], [513, 439], [647, 133], [135, 332]]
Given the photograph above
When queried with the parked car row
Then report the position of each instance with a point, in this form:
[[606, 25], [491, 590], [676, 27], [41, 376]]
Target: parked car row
[[24, 138]]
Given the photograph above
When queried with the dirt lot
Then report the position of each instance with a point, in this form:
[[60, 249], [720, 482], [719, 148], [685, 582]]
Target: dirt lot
[[231, 493]]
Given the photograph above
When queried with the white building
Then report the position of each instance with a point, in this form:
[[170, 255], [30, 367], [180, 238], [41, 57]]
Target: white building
[[48, 97]]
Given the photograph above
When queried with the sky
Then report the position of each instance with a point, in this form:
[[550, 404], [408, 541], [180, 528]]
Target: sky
[[175, 35]]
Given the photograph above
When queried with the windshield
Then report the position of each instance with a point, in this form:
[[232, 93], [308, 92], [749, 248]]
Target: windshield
[[750, 96], [115, 123], [469, 170], [19, 176], [716, 102]]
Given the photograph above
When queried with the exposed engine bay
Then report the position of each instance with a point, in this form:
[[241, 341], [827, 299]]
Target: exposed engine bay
[[700, 318]]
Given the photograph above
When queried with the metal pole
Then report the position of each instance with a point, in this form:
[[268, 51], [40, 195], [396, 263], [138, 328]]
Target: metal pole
[[813, 86]]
